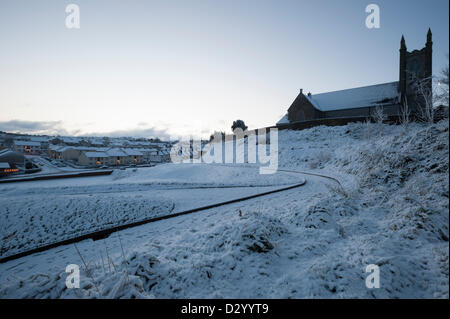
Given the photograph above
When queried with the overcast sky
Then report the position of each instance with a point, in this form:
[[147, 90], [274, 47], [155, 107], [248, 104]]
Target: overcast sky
[[190, 67]]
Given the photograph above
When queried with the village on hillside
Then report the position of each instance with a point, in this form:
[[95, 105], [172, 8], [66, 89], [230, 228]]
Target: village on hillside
[[26, 154]]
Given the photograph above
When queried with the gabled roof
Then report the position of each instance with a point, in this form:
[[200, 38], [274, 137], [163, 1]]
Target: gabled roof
[[132, 152], [27, 143], [96, 154], [64, 148], [373, 95], [56, 148], [40, 138], [115, 152], [88, 148]]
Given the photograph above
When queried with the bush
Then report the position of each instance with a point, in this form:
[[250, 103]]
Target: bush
[[239, 124]]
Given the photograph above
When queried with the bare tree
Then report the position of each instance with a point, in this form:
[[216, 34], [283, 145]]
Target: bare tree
[[405, 114], [367, 129], [240, 124], [424, 96], [378, 115]]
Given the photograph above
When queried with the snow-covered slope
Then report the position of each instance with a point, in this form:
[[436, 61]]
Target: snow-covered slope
[[312, 242]]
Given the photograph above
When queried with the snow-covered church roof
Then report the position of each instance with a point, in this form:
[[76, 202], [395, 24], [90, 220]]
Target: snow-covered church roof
[[284, 120], [365, 96]]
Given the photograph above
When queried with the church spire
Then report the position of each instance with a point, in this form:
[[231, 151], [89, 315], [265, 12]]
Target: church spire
[[429, 36], [402, 77], [402, 43]]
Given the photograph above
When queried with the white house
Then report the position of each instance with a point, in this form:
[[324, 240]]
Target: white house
[[27, 147], [117, 157], [134, 156], [88, 158]]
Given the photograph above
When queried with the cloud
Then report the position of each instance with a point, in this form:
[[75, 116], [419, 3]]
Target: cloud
[[33, 127], [54, 128]]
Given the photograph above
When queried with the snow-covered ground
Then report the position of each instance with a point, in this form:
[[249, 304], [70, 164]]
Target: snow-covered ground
[[310, 242], [38, 213]]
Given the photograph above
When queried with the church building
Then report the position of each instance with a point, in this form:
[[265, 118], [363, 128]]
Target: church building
[[362, 102]]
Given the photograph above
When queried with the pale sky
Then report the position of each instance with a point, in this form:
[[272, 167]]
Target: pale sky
[[189, 67]]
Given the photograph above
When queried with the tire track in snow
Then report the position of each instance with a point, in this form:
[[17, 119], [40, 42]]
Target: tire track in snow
[[101, 234]]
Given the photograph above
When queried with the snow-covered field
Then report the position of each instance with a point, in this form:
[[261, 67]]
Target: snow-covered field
[[44, 219], [310, 242], [38, 213]]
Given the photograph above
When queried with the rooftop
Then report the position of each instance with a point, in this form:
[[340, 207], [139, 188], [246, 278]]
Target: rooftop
[[96, 154], [26, 143], [373, 95], [132, 152], [115, 152]]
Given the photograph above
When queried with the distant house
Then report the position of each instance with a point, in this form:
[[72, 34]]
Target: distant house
[[98, 156], [145, 153], [165, 155], [160, 156], [72, 153], [69, 140], [104, 157], [155, 157], [363, 101], [134, 156], [96, 142], [44, 140], [117, 157], [55, 151], [27, 147], [93, 158], [62, 152]]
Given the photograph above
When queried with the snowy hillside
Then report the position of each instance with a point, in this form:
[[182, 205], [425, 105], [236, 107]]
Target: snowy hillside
[[310, 242]]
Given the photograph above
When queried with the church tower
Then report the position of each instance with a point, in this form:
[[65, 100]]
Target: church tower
[[415, 66], [402, 78]]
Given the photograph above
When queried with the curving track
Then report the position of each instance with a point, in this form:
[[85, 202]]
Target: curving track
[[104, 233]]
